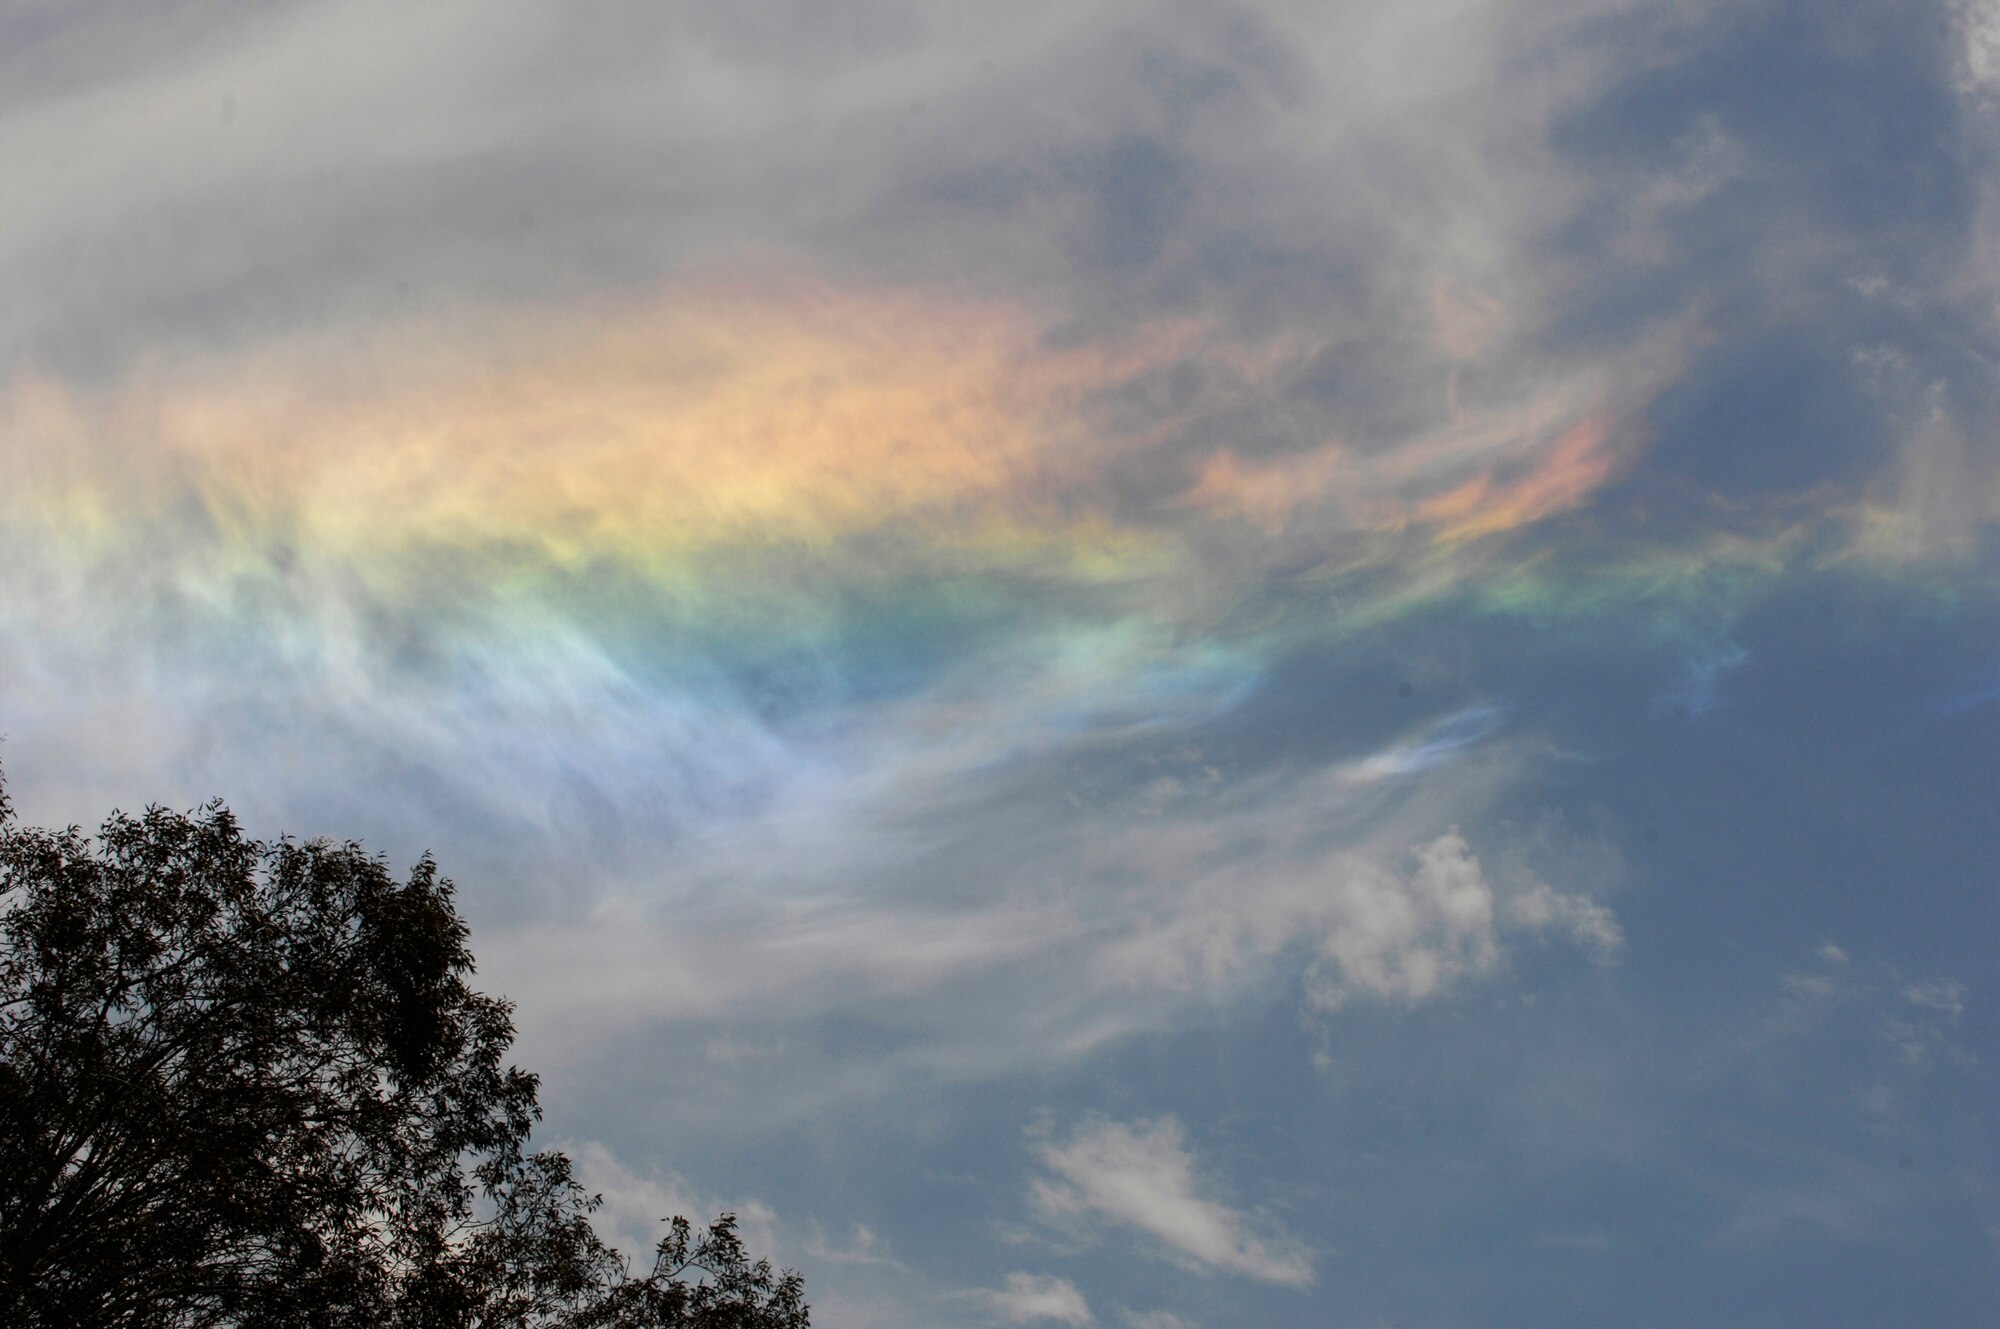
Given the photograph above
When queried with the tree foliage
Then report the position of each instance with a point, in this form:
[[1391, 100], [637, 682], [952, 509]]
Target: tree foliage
[[249, 1084]]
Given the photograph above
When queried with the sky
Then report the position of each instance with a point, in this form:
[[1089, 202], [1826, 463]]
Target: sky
[[1151, 665]]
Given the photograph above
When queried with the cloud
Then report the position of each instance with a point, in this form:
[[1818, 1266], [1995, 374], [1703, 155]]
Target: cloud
[[1940, 497], [1574, 464], [1035, 1299], [761, 412], [1977, 26], [1006, 911], [1588, 923], [974, 913], [1405, 937], [814, 512], [616, 458], [1699, 688], [1248, 886], [1141, 1175], [866, 1248], [638, 1205], [1946, 996], [1825, 1194]]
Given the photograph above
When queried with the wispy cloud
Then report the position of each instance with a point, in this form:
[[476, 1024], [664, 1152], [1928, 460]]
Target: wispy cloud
[[1190, 888], [878, 541], [638, 1205], [1140, 1175], [1034, 1299], [1156, 1320]]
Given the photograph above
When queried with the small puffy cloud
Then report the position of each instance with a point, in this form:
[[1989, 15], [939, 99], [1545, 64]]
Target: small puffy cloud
[[1156, 1320], [1036, 1299], [1542, 908], [1142, 1176], [1406, 937]]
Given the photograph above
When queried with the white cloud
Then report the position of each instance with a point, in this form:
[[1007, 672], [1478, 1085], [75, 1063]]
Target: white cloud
[[581, 983], [1141, 1175], [637, 1206], [1070, 922], [1542, 908], [1035, 1299], [1156, 1320], [865, 1248], [1947, 486], [1820, 1192], [1378, 931], [1945, 995], [1978, 24], [1406, 937]]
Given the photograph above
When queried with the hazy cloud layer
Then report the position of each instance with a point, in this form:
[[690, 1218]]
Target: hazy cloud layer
[[1405, 591]]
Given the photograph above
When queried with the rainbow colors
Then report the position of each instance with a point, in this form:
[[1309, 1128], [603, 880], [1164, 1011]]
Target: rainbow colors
[[736, 452]]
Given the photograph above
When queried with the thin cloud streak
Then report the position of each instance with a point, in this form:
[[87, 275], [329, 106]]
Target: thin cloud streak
[[1141, 1175]]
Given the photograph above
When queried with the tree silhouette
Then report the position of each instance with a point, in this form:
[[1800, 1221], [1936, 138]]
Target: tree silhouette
[[248, 1084]]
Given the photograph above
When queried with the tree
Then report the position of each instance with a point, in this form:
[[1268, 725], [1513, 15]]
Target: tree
[[249, 1084]]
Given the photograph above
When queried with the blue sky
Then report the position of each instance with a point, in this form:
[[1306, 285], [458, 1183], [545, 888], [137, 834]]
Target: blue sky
[[1162, 666]]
